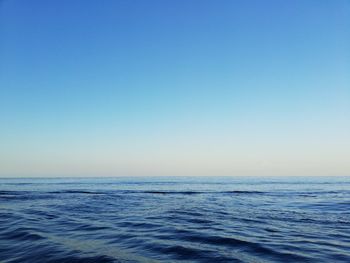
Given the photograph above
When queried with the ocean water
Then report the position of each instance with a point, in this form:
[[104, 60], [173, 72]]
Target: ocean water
[[192, 219]]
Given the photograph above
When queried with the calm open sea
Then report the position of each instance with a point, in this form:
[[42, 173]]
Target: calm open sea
[[192, 219]]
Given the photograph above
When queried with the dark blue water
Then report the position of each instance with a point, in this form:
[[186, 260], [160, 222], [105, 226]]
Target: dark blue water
[[175, 220]]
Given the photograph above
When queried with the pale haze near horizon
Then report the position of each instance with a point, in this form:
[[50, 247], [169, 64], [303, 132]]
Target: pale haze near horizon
[[174, 88]]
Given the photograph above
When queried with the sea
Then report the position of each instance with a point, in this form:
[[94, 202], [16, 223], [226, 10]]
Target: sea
[[175, 219]]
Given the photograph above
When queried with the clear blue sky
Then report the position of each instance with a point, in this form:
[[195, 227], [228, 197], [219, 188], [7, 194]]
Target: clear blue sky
[[177, 87]]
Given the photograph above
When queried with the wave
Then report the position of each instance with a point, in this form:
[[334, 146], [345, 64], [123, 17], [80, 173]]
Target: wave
[[76, 192], [9, 194], [198, 192]]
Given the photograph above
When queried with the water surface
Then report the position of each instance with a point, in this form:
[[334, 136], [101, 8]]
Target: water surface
[[192, 219]]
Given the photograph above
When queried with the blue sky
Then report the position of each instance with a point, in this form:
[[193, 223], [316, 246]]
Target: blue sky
[[93, 88]]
